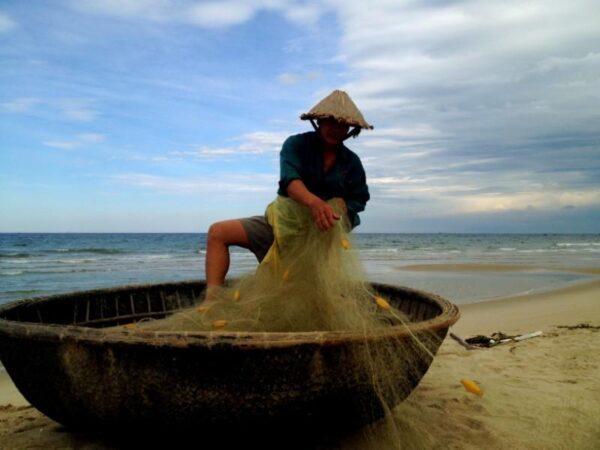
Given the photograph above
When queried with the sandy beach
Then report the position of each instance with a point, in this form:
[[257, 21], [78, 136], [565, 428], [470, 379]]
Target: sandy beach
[[538, 393]]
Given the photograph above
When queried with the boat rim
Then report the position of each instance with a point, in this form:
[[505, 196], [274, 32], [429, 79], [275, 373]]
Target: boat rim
[[448, 315]]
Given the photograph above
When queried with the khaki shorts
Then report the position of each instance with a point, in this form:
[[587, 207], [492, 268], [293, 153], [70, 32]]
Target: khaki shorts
[[260, 234]]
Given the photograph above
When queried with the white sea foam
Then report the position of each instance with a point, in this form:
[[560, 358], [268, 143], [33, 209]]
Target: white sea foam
[[16, 261], [76, 261], [8, 273]]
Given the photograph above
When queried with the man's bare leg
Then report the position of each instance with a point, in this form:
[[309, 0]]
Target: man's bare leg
[[220, 236]]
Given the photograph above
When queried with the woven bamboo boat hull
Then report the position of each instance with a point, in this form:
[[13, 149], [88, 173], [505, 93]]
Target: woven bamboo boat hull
[[63, 362]]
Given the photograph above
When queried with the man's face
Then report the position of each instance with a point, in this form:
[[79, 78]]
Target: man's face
[[332, 131]]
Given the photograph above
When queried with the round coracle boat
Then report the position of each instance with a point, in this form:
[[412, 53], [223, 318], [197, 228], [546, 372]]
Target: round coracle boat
[[64, 362]]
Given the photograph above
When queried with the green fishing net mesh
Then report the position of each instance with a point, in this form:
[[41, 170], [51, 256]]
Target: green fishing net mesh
[[309, 280], [313, 281]]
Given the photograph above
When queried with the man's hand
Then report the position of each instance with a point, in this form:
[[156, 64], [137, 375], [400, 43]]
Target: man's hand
[[323, 214]]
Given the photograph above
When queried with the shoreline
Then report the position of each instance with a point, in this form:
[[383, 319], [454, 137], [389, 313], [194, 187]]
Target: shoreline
[[487, 267], [572, 286], [576, 302], [544, 279]]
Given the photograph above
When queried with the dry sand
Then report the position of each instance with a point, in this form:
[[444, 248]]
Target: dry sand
[[541, 393]]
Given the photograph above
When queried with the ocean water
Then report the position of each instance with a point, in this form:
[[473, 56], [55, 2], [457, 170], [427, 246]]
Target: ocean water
[[46, 263]]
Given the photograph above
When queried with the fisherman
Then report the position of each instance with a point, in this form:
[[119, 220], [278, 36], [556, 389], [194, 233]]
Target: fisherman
[[314, 167]]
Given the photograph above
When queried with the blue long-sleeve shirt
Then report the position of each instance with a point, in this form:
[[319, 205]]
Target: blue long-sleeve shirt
[[301, 157]]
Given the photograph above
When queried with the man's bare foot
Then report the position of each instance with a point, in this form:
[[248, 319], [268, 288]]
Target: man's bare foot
[[212, 293]]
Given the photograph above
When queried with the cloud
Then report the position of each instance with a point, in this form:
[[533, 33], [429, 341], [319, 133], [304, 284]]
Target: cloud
[[220, 14], [64, 145], [72, 109], [473, 67], [149, 9], [80, 140], [77, 110], [304, 13], [6, 23], [477, 106], [21, 104], [262, 141], [417, 130], [447, 192], [289, 79], [91, 138], [255, 143], [205, 14], [528, 200], [217, 183]]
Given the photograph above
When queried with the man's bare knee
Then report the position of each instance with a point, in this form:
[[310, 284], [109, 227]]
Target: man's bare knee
[[228, 232], [216, 232]]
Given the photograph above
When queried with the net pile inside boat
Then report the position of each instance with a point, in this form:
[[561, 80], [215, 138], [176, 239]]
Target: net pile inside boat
[[309, 280]]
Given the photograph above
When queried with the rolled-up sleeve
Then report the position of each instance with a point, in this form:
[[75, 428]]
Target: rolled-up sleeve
[[358, 194], [289, 163]]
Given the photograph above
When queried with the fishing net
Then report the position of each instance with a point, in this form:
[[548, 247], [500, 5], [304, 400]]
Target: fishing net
[[309, 281]]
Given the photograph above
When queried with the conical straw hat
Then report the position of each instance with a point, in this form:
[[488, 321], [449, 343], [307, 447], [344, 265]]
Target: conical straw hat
[[340, 106]]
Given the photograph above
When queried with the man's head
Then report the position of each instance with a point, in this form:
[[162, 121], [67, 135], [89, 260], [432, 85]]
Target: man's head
[[332, 131]]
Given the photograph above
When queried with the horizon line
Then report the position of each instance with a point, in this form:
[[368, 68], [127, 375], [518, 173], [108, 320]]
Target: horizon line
[[357, 232]]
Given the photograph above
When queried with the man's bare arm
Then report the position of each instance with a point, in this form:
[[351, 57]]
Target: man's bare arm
[[322, 212], [299, 192]]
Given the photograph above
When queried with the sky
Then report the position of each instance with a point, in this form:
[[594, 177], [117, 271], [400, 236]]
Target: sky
[[166, 116]]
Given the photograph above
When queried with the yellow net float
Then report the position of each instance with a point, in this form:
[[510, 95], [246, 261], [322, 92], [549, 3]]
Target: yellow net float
[[217, 324], [471, 387], [382, 303]]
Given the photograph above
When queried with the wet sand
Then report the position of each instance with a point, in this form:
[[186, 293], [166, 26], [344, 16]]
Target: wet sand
[[474, 267], [538, 393]]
